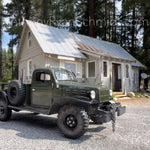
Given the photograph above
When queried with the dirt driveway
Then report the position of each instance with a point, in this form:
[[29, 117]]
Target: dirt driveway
[[136, 102], [26, 131]]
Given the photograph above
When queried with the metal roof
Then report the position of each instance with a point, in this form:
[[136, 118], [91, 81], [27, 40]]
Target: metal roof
[[54, 41], [104, 48], [60, 42]]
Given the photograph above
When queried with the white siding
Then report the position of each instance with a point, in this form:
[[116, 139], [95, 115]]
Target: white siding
[[135, 79], [33, 53], [51, 62]]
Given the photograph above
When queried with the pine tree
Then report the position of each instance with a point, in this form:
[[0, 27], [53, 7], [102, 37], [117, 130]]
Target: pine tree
[[1, 22], [16, 11], [91, 6], [145, 11], [4, 60]]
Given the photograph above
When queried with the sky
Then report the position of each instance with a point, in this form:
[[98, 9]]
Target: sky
[[5, 37]]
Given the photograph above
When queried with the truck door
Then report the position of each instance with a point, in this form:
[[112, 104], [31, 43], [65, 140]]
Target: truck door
[[41, 89]]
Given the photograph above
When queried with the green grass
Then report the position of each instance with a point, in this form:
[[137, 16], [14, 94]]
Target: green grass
[[142, 84], [5, 80], [138, 94]]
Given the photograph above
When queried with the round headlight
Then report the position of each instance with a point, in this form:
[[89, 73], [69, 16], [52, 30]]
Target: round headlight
[[110, 92], [92, 94]]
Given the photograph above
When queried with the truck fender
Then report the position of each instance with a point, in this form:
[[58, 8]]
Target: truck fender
[[58, 103], [3, 95]]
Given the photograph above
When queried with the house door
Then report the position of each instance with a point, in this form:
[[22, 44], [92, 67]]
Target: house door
[[116, 77]]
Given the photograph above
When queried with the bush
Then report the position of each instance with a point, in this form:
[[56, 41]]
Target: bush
[[6, 80], [140, 95]]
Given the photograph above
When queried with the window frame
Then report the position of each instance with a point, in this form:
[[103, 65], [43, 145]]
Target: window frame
[[88, 68], [105, 61], [29, 72], [29, 39], [127, 71]]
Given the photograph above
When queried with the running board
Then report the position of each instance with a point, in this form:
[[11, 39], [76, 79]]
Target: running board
[[29, 108]]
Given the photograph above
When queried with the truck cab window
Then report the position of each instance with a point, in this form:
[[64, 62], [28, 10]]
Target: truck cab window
[[43, 77]]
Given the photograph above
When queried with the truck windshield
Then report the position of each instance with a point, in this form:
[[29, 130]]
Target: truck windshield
[[64, 75]]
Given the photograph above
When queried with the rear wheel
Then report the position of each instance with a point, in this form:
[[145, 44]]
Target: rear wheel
[[72, 121], [16, 93], [5, 112]]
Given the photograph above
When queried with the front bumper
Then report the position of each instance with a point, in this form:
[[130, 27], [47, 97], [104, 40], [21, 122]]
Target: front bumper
[[106, 116], [121, 110]]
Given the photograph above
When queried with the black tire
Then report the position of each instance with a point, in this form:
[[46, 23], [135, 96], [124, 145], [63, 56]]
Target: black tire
[[16, 93], [97, 120], [5, 112], [72, 121], [34, 113]]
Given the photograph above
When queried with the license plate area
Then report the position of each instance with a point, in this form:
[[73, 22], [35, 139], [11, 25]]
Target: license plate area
[[121, 110]]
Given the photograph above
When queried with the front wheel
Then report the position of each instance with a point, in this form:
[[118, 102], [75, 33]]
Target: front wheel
[[72, 121], [5, 112]]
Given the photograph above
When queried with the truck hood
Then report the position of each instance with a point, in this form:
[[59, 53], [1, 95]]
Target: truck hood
[[83, 89], [78, 84]]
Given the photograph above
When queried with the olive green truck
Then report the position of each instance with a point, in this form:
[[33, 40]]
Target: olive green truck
[[57, 91]]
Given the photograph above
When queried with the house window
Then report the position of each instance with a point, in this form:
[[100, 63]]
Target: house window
[[105, 69], [71, 67], [91, 69], [29, 39], [29, 68], [127, 71]]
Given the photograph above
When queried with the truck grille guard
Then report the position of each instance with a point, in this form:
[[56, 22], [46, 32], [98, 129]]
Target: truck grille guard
[[111, 114]]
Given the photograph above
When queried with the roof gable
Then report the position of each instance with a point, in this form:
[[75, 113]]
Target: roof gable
[[54, 41]]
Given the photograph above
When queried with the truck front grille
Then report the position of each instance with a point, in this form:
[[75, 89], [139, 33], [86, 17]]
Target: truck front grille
[[104, 95]]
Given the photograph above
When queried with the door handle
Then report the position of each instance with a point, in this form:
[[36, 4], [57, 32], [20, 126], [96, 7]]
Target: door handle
[[33, 90]]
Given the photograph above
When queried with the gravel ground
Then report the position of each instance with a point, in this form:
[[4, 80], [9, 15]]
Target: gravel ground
[[26, 131], [136, 102]]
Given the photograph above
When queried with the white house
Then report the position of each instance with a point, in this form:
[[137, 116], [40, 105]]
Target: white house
[[94, 60]]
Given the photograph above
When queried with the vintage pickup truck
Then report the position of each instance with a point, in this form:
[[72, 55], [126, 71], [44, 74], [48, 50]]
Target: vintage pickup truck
[[57, 91]]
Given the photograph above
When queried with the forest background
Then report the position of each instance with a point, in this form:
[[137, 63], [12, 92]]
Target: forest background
[[127, 24]]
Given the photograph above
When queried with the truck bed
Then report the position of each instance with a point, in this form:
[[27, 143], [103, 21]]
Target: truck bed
[[3, 85]]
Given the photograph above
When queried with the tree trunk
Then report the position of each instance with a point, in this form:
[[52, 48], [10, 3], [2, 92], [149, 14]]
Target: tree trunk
[[27, 9], [12, 62], [44, 11], [114, 18], [105, 24], [91, 4], [109, 22], [146, 36], [1, 64], [133, 31]]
